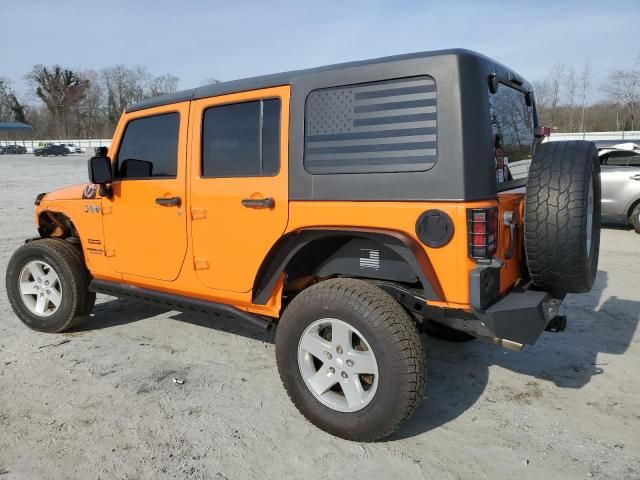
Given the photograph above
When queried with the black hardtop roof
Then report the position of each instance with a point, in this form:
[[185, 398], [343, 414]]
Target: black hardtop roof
[[287, 78]]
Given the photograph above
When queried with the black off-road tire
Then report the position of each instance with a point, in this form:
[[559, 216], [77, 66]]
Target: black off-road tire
[[77, 301], [634, 219], [91, 296], [442, 332], [555, 217], [393, 338]]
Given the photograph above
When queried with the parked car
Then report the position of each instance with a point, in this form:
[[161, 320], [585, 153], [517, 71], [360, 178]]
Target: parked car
[[54, 150], [620, 176], [352, 204], [14, 149], [72, 147]]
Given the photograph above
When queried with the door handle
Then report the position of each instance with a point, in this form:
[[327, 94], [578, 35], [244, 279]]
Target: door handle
[[168, 201], [635, 177], [258, 202]]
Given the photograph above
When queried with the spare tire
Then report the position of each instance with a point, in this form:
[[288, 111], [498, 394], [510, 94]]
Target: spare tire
[[562, 217]]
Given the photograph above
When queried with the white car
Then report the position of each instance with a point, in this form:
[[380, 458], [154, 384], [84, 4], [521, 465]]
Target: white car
[[73, 148], [620, 180]]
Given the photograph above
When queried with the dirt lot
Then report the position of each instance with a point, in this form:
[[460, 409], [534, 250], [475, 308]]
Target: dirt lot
[[100, 402]]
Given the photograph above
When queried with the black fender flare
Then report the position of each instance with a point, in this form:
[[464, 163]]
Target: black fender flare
[[285, 249]]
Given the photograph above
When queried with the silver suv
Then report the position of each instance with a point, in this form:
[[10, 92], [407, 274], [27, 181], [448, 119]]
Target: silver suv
[[620, 176]]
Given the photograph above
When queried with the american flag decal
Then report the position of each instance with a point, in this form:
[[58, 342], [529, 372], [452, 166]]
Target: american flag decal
[[387, 126], [371, 258]]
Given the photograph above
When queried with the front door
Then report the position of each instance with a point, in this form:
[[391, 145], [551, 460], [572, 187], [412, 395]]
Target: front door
[[239, 184], [144, 222]]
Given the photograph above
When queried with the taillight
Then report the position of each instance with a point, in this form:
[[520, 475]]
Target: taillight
[[482, 227]]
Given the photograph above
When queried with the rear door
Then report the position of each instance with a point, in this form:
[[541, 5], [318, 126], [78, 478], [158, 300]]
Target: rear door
[[239, 184]]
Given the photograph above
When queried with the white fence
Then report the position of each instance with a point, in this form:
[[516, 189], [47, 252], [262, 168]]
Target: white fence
[[597, 136], [86, 145], [90, 144]]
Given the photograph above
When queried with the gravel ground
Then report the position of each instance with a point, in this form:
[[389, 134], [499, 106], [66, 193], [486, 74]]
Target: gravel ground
[[100, 402]]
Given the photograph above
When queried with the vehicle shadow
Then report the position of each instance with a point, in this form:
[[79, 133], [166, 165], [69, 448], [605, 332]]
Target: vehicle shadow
[[116, 311], [616, 225], [458, 374], [227, 325]]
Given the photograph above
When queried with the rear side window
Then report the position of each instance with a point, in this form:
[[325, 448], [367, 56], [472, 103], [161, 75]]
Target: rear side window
[[241, 139], [149, 148], [623, 159], [513, 130], [387, 126]]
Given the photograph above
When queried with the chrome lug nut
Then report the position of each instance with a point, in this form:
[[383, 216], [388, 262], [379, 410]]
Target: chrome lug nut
[[332, 370], [344, 375], [339, 350], [349, 363], [328, 355]]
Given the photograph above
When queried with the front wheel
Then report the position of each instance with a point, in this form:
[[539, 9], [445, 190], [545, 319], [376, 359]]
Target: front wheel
[[350, 359], [48, 285]]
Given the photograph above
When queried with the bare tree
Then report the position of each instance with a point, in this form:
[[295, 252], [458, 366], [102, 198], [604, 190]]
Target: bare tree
[[571, 86], [89, 111], [123, 86], [623, 88], [209, 81], [5, 92], [584, 87], [555, 84], [60, 89], [10, 107], [163, 84], [541, 92]]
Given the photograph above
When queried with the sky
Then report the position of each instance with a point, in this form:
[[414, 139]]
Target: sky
[[201, 39]]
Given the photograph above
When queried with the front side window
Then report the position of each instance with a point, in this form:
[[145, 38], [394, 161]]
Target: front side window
[[149, 148], [241, 139], [513, 130]]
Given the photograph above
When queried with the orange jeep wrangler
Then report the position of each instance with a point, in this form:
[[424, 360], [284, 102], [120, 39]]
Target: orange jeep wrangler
[[352, 205]]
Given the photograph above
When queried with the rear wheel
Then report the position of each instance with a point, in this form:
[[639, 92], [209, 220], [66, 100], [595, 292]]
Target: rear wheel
[[350, 359], [635, 218], [48, 285]]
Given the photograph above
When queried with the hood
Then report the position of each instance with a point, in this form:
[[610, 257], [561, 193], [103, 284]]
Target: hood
[[74, 192]]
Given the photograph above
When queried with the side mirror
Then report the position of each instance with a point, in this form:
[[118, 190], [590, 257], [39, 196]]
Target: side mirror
[[100, 170]]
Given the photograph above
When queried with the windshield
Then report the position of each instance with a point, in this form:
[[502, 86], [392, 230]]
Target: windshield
[[512, 125]]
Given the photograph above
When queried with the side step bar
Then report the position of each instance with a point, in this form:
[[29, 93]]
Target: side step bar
[[177, 302]]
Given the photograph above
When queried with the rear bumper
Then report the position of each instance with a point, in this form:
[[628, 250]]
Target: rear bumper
[[521, 316]]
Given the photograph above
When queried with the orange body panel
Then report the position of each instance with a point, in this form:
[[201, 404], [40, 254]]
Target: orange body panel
[[230, 240], [450, 263], [142, 238], [211, 247]]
